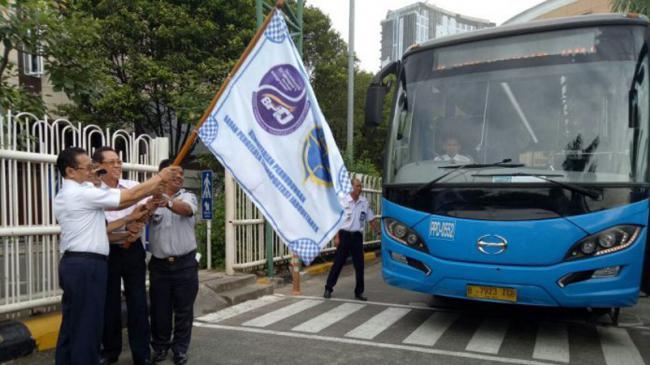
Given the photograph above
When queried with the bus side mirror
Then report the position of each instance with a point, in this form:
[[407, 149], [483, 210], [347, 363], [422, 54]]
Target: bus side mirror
[[375, 104]]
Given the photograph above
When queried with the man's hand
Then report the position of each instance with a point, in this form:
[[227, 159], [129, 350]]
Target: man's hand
[[162, 201], [135, 227], [169, 173], [137, 214], [336, 240]]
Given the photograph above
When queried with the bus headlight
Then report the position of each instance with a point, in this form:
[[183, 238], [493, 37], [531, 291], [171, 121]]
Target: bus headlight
[[610, 240], [401, 233]]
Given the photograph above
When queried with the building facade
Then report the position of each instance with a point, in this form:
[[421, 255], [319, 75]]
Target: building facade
[[28, 71], [418, 23], [561, 8]]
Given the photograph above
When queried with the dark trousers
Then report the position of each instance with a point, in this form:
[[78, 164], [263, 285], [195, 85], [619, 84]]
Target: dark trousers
[[173, 286], [127, 264], [349, 243], [83, 281]]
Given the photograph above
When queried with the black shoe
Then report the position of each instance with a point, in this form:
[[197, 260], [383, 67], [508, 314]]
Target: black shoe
[[106, 360], [180, 358], [159, 356], [327, 294], [361, 297]]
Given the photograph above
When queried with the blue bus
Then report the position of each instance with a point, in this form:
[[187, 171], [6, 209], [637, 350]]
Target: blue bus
[[516, 163]]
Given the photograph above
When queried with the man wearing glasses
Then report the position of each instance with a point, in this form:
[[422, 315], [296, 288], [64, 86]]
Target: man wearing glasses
[[126, 262], [79, 209]]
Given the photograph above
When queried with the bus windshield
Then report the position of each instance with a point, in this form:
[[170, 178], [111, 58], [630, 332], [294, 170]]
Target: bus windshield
[[555, 102]]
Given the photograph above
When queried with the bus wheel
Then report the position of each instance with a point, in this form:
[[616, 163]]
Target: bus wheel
[[613, 314]]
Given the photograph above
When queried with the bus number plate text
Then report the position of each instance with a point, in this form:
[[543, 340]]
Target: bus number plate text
[[492, 292]]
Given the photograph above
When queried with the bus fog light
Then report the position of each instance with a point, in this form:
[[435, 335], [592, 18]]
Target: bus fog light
[[606, 272], [399, 258]]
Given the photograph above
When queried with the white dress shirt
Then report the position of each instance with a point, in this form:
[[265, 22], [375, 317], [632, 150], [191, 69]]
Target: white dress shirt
[[79, 209], [113, 215], [455, 159], [356, 213], [171, 234]]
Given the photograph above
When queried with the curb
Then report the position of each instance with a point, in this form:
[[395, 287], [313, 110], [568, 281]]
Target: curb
[[318, 269]]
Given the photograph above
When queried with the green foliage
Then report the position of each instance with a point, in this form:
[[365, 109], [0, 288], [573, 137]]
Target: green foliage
[[633, 6], [159, 63], [325, 57], [218, 234], [21, 22]]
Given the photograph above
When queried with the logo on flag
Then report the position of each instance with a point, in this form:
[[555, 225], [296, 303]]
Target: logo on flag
[[269, 132], [280, 103]]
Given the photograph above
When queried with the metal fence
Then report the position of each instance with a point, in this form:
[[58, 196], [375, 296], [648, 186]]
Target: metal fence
[[245, 240], [29, 254]]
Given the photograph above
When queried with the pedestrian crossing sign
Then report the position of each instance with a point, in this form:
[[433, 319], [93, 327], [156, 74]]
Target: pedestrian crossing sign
[[206, 194]]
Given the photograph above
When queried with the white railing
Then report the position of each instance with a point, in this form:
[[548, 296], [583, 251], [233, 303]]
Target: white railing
[[245, 240], [29, 254]]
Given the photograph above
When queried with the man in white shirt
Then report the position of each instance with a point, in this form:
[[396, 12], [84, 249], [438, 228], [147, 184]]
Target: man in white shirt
[[79, 209], [349, 239], [452, 152], [126, 262]]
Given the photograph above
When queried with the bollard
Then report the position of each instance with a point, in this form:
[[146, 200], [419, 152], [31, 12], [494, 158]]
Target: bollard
[[295, 273]]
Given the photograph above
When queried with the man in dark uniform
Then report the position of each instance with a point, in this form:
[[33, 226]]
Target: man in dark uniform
[[79, 209], [126, 262], [349, 239], [173, 271]]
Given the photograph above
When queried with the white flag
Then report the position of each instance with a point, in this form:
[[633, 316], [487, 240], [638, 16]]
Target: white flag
[[269, 132]]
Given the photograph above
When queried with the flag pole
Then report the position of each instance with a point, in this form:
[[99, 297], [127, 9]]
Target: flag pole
[[195, 132]]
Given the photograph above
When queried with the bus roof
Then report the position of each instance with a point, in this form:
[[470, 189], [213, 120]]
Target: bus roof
[[531, 27]]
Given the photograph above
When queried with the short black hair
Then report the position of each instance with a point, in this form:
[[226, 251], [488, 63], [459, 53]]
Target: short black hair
[[98, 155], [68, 158], [165, 163]]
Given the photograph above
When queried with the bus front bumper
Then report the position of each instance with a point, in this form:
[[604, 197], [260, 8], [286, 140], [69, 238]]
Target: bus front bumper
[[534, 285]]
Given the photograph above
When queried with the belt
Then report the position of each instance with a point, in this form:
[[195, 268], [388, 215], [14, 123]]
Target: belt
[[173, 259], [87, 255], [351, 232]]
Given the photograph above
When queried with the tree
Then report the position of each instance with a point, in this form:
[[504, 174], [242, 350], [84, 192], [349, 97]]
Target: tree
[[159, 63], [633, 6], [325, 57], [22, 22]]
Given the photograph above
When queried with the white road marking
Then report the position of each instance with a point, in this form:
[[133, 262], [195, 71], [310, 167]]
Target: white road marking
[[282, 313], [431, 330], [552, 342], [466, 355], [240, 308], [489, 336], [328, 318], [618, 347], [378, 324]]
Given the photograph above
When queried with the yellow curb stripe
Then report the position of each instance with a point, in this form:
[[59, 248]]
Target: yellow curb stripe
[[44, 330]]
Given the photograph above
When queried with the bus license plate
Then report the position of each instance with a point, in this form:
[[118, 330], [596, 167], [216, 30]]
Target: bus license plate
[[492, 292]]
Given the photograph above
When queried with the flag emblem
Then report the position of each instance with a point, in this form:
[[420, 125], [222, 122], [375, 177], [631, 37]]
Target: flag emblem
[[315, 159], [280, 102]]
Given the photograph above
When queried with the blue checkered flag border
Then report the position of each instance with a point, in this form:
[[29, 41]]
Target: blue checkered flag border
[[344, 181], [306, 249], [277, 30], [209, 130]]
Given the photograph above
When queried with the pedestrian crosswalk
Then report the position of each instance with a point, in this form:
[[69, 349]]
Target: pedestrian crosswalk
[[424, 329]]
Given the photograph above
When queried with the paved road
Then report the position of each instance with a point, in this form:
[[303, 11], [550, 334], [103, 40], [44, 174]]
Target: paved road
[[404, 327]]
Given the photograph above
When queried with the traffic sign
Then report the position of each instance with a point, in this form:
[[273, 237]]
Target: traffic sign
[[206, 194]]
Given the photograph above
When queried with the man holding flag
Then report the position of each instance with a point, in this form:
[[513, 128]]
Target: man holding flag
[[265, 126]]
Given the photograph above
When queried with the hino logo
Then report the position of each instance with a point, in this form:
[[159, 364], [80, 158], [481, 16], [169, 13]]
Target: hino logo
[[491, 244]]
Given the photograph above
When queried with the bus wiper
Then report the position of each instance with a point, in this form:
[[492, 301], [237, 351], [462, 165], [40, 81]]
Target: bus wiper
[[503, 163], [571, 187]]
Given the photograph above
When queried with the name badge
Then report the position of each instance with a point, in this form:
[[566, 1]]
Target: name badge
[[442, 229]]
